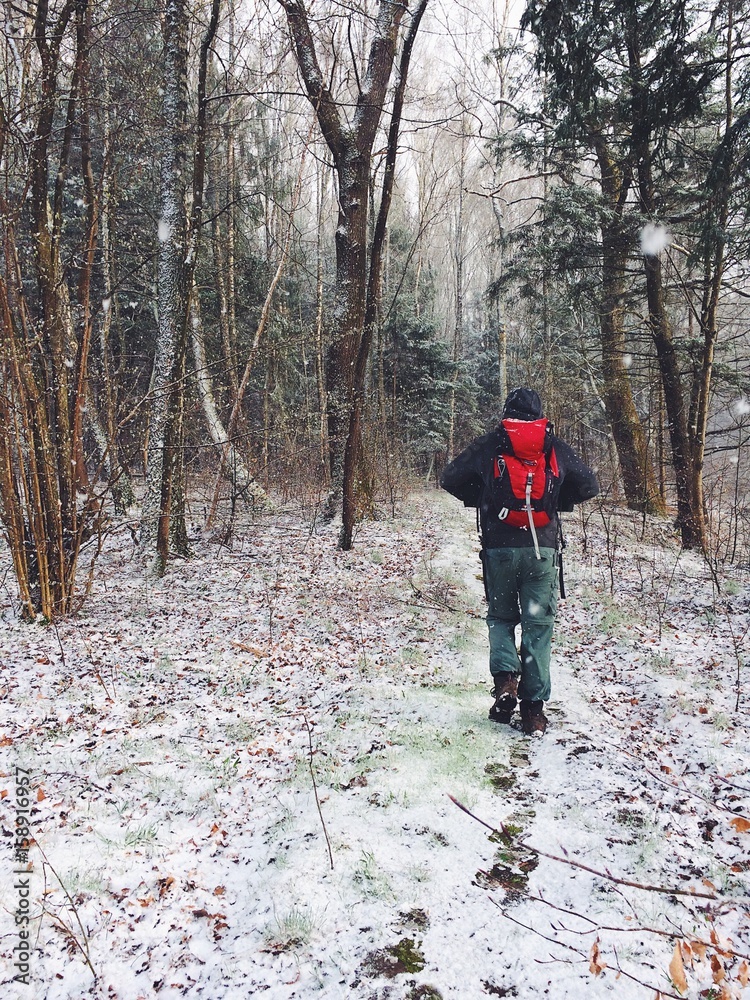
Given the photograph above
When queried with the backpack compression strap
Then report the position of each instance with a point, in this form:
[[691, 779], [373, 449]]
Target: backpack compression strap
[[530, 513]]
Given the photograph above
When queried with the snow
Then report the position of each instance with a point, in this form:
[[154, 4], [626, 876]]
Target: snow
[[654, 239], [164, 230], [169, 729]]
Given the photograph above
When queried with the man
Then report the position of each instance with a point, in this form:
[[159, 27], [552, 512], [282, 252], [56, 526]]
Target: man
[[519, 544]]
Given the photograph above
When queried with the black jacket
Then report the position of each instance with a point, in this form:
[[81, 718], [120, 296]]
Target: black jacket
[[468, 477]]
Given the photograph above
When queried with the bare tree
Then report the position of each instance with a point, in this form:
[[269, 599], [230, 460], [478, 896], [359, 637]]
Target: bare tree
[[351, 145], [179, 239], [47, 504]]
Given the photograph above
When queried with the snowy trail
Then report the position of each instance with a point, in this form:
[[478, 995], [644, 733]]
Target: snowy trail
[[168, 730]]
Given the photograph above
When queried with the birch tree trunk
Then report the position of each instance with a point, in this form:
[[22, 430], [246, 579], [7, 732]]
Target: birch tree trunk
[[243, 482], [172, 290], [179, 239]]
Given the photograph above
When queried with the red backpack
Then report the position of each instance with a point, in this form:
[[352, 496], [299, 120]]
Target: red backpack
[[526, 478]]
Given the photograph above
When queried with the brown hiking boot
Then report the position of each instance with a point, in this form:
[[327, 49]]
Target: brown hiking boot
[[506, 687], [533, 719]]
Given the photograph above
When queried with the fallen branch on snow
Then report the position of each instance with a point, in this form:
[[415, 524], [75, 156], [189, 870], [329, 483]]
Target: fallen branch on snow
[[667, 891]]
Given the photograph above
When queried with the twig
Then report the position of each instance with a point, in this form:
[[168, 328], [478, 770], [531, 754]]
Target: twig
[[59, 643], [737, 645], [72, 776], [639, 929], [99, 677], [640, 982], [563, 944], [437, 607], [84, 950], [315, 789], [671, 784], [526, 927], [740, 788], [577, 864]]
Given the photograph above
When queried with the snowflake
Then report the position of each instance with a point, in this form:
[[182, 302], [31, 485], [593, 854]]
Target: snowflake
[[654, 239]]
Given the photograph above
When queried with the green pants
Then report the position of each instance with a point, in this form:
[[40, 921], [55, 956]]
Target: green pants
[[522, 588]]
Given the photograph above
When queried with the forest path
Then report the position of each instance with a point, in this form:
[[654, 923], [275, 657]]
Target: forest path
[[174, 728]]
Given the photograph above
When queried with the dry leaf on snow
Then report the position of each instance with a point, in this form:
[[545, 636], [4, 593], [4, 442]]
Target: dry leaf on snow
[[677, 970], [596, 965], [687, 953], [717, 969]]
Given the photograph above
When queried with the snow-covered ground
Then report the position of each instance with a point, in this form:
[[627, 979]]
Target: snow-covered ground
[[239, 775]]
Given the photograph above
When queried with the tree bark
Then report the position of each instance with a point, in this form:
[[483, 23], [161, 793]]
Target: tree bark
[[691, 524], [163, 508], [636, 467], [351, 148], [46, 509], [716, 216], [353, 448]]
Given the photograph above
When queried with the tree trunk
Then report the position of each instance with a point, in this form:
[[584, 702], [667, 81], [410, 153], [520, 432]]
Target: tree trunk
[[243, 482], [163, 508], [353, 448], [638, 477], [46, 509], [172, 292], [691, 524], [351, 147], [716, 216]]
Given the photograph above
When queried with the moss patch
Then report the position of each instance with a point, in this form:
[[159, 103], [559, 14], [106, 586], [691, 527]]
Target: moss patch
[[423, 992], [500, 777], [395, 960]]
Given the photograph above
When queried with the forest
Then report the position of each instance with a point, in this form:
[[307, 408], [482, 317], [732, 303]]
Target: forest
[[258, 251], [266, 268]]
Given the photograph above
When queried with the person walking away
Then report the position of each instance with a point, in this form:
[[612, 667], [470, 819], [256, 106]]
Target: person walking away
[[520, 476]]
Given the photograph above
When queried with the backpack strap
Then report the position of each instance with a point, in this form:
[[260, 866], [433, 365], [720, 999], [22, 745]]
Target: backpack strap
[[530, 514], [561, 543], [482, 557]]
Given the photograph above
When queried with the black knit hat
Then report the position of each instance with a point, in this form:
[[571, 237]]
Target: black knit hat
[[522, 404]]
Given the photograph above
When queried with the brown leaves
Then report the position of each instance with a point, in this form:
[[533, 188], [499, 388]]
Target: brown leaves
[[722, 945], [740, 824], [247, 648], [677, 970], [719, 956], [717, 969], [164, 885], [596, 964]]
